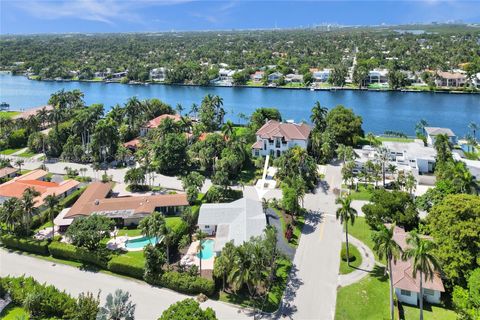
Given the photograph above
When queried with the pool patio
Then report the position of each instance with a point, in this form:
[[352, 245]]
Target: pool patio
[[120, 243], [191, 258]]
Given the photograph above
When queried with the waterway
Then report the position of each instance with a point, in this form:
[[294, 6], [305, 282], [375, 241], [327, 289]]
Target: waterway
[[381, 111]]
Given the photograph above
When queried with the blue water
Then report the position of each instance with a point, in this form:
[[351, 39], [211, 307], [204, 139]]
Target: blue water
[[381, 111], [140, 242], [207, 251]]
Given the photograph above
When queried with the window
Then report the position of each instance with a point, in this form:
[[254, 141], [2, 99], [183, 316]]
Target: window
[[428, 292], [257, 153], [207, 227], [405, 293]]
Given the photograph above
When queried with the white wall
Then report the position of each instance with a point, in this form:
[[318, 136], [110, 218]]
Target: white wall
[[282, 147], [209, 229], [412, 299], [433, 299]]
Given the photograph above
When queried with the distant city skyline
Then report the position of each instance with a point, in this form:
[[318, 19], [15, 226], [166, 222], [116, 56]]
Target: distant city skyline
[[88, 16]]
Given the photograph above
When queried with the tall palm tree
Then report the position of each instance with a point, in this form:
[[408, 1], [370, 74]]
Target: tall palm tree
[[385, 246], [318, 116], [194, 110], [228, 129], [346, 213], [420, 127], [201, 236], [28, 206], [52, 208], [474, 127], [133, 109], [424, 260], [443, 147], [152, 226], [19, 163], [10, 213], [382, 156]]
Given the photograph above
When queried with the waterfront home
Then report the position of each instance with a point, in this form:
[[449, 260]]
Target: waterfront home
[[321, 75], [407, 286], [432, 132], [257, 76], [225, 74], [119, 75], [296, 78], [158, 74], [274, 76], [36, 179], [275, 137], [476, 80], [8, 173], [154, 123], [379, 76], [236, 221], [450, 79], [125, 211]]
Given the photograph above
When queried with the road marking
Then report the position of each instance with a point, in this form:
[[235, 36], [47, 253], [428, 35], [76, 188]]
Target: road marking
[[321, 230]]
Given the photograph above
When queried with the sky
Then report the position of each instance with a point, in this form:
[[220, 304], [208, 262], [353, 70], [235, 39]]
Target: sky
[[87, 16]]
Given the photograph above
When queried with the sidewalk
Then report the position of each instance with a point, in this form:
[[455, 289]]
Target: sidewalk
[[368, 262]]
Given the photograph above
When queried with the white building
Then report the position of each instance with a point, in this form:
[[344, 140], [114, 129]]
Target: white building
[[275, 137], [412, 154], [432, 132], [236, 221], [406, 284], [158, 74], [225, 74], [377, 76], [291, 77], [321, 75]]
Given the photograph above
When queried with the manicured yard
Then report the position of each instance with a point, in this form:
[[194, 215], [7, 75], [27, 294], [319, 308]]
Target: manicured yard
[[27, 154], [430, 312], [355, 259], [129, 232], [361, 230], [297, 229], [362, 193], [294, 85], [8, 114], [134, 258], [394, 139], [13, 312], [9, 151]]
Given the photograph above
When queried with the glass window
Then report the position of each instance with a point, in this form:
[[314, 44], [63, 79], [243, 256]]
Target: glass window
[[405, 293], [428, 292]]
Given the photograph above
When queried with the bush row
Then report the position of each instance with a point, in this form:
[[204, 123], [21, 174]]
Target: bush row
[[70, 252], [185, 283], [29, 245]]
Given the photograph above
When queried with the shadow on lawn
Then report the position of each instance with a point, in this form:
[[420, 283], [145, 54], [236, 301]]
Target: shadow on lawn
[[379, 273]]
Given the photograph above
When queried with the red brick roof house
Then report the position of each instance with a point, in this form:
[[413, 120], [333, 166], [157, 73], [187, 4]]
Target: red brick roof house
[[8, 172], [275, 137], [407, 287]]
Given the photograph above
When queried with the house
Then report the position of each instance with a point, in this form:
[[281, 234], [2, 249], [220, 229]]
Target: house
[[36, 179], [432, 132], [275, 137], [154, 123], [257, 76], [321, 75], [119, 75], [377, 76], [126, 211], [274, 76], [225, 74], [291, 77], [414, 155], [236, 221], [476, 80], [32, 112], [406, 285], [8, 172], [158, 74], [450, 79]]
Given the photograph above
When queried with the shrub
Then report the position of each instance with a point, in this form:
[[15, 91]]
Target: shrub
[[185, 283], [25, 244], [351, 256], [122, 265], [67, 251], [17, 139]]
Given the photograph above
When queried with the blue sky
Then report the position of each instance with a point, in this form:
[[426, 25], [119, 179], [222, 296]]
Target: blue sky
[[47, 16]]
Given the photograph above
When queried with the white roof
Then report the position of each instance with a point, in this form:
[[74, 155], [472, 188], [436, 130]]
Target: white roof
[[412, 149], [238, 220], [434, 131]]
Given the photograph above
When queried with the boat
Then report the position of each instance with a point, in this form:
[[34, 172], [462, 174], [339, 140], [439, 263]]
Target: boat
[[4, 106]]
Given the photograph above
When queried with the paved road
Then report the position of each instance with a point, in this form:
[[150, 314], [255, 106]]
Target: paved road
[[150, 301]]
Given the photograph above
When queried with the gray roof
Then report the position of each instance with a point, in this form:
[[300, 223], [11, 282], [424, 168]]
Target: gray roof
[[411, 149], [435, 131], [238, 220]]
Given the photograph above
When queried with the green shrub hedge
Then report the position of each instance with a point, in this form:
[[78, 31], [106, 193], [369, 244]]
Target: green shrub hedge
[[185, 283], [123, 265], [24, 244], [70, 252], [351, 255]]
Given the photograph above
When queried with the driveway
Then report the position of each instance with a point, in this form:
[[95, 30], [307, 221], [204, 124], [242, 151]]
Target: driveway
[[282, 243], [150, 301]]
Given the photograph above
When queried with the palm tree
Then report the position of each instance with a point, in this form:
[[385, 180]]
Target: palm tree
[[194, 110], [152, 226], [345, 153], [420, 127], [133, 109], [385, 246], [19, 163], [228, 129], [318, 116], [443, 147], [201, 236], [265, 204], [179, 108], [382, 156], [28, 206], [117, 307], [52, 208], [10, 213], [135, 176], [474, 127], [424, 261], [346, 213]]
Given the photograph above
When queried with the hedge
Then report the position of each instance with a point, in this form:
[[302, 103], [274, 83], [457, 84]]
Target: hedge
[[24, 244], [185, 283], [70, 252], [123, 265]]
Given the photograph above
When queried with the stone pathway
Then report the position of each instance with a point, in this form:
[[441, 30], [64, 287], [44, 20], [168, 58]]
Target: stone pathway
[[368, 262]]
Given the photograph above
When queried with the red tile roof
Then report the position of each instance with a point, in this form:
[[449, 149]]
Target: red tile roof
[[7, 171], [156, 122], [288, 131], [257, 145], [132, 143]]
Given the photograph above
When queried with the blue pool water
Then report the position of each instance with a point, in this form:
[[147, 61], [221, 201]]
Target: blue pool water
[[139, 242], [207, 251]]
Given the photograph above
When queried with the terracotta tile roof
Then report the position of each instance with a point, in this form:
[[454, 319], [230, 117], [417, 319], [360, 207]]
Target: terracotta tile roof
[[288, 131], [7, 171], [15, 187], [132, 143], [257, 145], [94, 200], [402, 272], [156, 122], [450, 75]]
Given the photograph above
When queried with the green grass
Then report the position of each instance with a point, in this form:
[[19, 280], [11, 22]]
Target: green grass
[[173, 222], [354, 263], [45, 225], [8, 114], [134, 258], [9, 151], [27, 154], [13, 312], [361, 230], [129, 232], [294, 85], [297, 230], [394, 139], [254, 84], [430, 312], [362, 193]]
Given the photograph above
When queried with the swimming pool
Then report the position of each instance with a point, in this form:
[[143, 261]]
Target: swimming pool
[[207, 251], [139, 243]]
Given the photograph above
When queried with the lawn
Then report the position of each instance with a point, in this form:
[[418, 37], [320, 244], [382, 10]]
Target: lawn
[[430, 312], [27, 154], [13, 312], [8, 114], [294, 85], [129, 232], [297, 230], [394, 139], [362, 193], [134, 258], [355, 259], [361, 230], [9, 151]]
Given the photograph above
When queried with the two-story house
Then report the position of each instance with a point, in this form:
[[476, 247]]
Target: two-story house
[[275, 137], [432, 132]]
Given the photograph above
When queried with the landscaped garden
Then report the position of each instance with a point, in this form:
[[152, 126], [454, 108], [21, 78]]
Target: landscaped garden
[[286, 221], [355, 259]]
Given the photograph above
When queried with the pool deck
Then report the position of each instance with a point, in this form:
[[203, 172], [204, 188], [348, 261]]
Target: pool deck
[[119, 243], [190, 258]]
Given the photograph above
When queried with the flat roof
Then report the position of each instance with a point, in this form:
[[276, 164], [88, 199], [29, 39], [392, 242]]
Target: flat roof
[[412, 149]]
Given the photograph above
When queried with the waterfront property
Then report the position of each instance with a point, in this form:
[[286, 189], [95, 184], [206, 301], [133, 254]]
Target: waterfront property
[[379, 76], [125, 211], [407, 285], [236, 221], [275, 137], [432, 132], [36, 179], [31, 112], [450, 79]]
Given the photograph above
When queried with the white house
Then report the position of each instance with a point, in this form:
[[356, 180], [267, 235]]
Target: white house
[[158, 74], [236, 221], [412, 154], [291, 77], [225, 74], [406, 284], [321, 75], [377, 76], [275, 137], [274, 76], [432, 132], [450, 79]]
